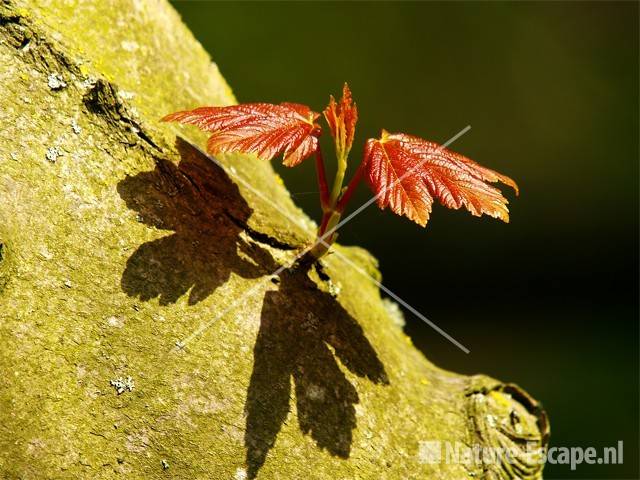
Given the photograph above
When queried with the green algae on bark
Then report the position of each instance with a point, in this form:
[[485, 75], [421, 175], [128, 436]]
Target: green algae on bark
[[127, 241]]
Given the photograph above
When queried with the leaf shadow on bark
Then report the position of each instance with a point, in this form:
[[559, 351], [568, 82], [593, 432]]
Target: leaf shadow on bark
[[300, 326], [303, 330], [203, 207]]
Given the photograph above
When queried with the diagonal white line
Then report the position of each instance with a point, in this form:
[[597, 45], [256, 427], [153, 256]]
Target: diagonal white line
[[322, 240], [360, 270], [203, 328]]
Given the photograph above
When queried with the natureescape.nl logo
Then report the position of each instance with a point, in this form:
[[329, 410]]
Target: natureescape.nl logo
[[438, 452]]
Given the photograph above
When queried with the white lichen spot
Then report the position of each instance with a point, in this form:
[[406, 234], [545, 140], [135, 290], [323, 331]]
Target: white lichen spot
[[68, 284], [394, 312], [315, 392], [45, 253], [491, 420], [122, 385], [88, 82], [53, 153], [77, 129], [165, 464], [116, 322], [14, 156], [124, 95], [55, 81], [129, 45], [479, 397], [241, 474], [334, 288]]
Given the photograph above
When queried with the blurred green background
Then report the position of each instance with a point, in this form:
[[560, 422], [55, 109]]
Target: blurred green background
[[550, 90]]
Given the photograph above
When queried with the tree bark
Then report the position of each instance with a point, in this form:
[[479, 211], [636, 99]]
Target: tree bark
[[119, 240]]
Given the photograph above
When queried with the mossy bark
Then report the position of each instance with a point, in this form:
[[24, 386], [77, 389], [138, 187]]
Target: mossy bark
[[117, 241]]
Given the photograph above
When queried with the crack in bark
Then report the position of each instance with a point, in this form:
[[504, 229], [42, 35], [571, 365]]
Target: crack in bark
[[21, 35], [259, 236], [102, 99]]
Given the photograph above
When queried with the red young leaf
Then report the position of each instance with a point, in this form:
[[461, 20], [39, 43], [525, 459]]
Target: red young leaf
[[261, 128], [408, 173], [342, 118]]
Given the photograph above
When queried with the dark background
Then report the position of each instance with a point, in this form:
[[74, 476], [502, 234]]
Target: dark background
[[551, 92]]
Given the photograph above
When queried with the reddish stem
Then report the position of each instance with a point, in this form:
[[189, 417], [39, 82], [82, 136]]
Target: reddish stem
[[323, 225], [322, 181], [351, 188]]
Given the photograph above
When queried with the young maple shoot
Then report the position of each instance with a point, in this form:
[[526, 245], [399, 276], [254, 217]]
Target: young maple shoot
[[406, 173]]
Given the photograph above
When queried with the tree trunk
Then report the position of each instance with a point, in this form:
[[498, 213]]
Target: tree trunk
[[123, 253]]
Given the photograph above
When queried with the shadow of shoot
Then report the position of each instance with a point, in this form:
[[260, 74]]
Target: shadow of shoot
[[206, 212], [298, 324]]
